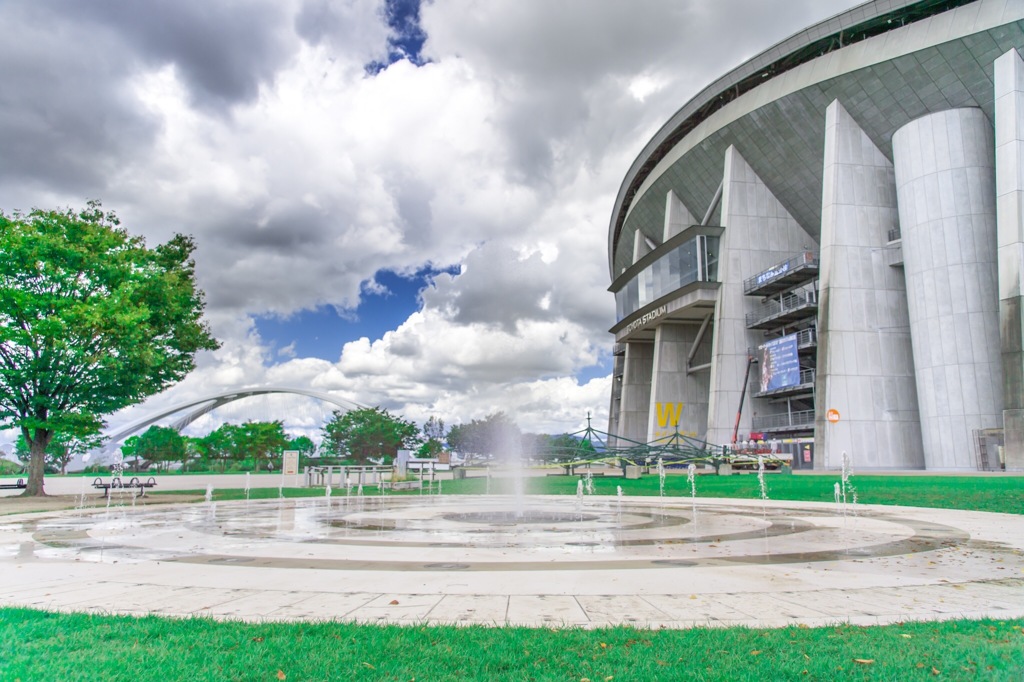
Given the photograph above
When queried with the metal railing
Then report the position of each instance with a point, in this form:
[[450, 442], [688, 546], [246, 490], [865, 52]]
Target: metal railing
[[799, 419], [338, 476], [805, 338], [787, 303], [779, 270], [806, 378]]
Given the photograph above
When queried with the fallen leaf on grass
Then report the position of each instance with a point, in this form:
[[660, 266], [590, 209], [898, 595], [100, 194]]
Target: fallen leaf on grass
[[906, 636], [936, 671], [603, 645], [281, 675], [755, 652], [368, 665], [257, 639], [864, 661]]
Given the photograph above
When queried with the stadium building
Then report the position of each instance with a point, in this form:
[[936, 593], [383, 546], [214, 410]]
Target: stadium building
[[824, 247]]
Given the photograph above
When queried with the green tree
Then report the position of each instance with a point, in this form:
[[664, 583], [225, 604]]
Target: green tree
[[495, 434], [304, 444], [62, 448], [305, 447], [91, 321], [561, 448], [262, 441], [161, 445], [433, 437], [195, 455], [128, 450], [220, 445], [363, 433]]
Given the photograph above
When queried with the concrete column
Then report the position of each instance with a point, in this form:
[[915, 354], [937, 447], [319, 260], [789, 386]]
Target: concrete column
[[1009, 94], [679, 400], [641, 246], [677, 216], [865, 361], [759, 232], [945, 184], [636, 391], [615, 400]]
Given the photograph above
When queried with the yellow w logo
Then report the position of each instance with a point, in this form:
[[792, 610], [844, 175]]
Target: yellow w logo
[[669, 413]]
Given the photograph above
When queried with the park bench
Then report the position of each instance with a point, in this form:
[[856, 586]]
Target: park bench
[[14, 486], [135, 486]]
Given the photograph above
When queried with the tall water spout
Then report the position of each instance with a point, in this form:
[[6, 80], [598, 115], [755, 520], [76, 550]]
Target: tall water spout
[[661, 477], [691, 477]]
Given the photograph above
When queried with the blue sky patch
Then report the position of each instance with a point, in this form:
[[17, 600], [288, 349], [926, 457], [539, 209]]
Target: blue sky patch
[[321, 332], [407, 36]]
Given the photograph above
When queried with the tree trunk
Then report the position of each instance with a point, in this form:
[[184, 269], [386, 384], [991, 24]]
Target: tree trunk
[[37, 464]]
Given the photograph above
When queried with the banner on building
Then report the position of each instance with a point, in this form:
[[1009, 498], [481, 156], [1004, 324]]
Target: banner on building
[[780, 363]]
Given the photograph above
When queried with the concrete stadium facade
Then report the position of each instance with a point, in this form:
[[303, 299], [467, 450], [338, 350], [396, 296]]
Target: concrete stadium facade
[[825, 246]]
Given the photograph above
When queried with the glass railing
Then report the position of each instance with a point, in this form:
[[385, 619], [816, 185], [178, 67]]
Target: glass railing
[[692, 261]]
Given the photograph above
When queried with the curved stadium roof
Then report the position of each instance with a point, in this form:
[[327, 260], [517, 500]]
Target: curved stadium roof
[[887, 61]]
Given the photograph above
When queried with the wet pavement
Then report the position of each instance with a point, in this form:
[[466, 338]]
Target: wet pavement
[[545, 561]]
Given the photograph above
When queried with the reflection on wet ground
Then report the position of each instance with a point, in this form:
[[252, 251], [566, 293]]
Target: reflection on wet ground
[[551, 534], [491, 560]]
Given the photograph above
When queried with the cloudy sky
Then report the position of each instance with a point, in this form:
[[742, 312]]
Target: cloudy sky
[[401, 203]]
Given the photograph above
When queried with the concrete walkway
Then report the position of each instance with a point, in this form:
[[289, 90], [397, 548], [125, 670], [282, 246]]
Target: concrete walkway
[[560, 562]]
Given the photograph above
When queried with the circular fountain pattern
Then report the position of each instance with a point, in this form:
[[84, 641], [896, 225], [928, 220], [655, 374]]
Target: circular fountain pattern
[[594, 560]]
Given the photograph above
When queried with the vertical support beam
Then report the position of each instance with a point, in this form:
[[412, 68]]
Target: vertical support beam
[[1009, 98], [636, 391], [677, 216], [759, 232], [865, 365], [679, 401]]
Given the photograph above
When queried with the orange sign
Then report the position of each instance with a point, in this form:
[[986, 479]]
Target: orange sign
[[832, 416]]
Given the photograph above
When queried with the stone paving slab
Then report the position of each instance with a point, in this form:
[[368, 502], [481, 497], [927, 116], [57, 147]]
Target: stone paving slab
[[893, 565]]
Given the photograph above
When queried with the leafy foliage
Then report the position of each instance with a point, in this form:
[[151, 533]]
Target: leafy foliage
[[161, 445], [304, 445], [90, 321], [495, 434], [560, 448], [62, 448], [367, 432], [260, 442], [433, 437]]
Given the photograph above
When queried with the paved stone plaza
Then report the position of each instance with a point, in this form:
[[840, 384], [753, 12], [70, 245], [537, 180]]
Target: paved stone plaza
[[556, 561]]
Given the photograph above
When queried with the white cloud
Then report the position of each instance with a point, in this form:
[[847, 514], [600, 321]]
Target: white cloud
[[300, 176]]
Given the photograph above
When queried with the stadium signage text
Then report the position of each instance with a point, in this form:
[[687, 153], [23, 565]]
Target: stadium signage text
[[773, 273], [645, 319]]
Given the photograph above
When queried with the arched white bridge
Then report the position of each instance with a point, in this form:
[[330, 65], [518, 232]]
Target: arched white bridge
[[212, 402]]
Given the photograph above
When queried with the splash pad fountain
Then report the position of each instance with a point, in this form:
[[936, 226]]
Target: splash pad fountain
[[585, 559]]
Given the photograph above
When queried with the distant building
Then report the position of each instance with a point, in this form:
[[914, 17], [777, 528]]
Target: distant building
[[847, 209]]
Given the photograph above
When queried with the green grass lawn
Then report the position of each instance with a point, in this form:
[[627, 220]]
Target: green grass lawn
[[979, 493], [36, 645], [47, 646]]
